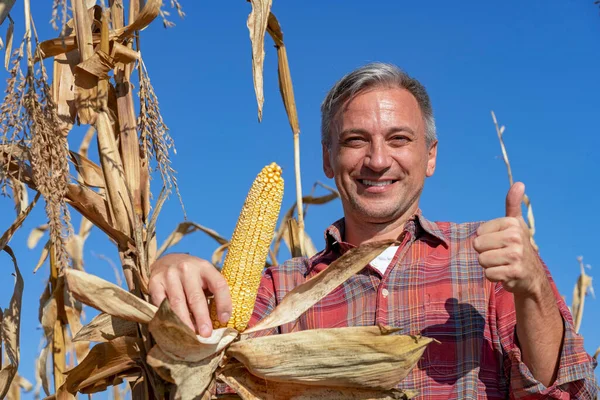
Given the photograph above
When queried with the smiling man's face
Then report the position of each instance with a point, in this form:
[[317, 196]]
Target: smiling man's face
[[379, 156]]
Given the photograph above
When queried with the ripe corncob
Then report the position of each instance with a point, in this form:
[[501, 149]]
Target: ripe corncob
[[249, 245]]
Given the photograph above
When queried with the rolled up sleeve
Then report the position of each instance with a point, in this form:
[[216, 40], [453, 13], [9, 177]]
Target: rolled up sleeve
[[575, 378]]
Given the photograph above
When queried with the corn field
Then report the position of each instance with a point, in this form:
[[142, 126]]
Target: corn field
[[92, 77]]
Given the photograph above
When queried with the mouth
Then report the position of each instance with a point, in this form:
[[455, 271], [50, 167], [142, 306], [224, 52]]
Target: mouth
[[370, 183]]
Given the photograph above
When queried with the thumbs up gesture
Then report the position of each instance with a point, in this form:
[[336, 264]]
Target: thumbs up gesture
[[505, 249]]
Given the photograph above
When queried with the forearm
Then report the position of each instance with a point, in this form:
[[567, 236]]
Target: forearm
[[540, 331]]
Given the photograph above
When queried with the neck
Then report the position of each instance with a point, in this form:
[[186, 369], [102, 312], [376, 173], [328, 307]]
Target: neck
[[358, 232]]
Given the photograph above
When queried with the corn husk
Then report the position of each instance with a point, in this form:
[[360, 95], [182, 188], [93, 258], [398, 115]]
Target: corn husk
[[104, 328], [250, 387], [362, 357]]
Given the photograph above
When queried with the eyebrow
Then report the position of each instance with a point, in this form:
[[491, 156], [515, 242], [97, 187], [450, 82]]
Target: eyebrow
[[394, 129]]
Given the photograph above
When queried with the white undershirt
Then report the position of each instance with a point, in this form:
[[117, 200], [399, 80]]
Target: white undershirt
[[382, 261]]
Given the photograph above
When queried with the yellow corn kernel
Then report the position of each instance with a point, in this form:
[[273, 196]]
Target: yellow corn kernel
[[249, 245]]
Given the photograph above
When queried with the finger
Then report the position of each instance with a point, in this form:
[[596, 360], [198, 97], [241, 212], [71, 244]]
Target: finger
[[176, 297], [197, 304], [514, 198], [501, 273], [498, 257], [497, 225], [157, 293], [216, 283], [496, 240]]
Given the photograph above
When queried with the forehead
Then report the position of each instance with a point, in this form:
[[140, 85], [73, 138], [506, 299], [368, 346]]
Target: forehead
[[379, 107]]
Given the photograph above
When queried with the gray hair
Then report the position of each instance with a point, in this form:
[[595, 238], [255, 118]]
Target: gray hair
[[367, 77]]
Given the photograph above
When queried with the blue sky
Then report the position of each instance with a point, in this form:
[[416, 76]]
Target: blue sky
[[534, 63]]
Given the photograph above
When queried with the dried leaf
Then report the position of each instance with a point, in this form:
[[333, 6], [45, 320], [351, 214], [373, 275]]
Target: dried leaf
[[114, 177], [257, 25], [104, 328], [185, 228], [365, 356], [250, 387], [583, 285], [43, 256], [178, 341], [5, 7], [108, 297], [41, 370], [89, 171], [35, 235], [6, 236], [304, 296], [74, 247], [19, 195], [123, 54], [307, 200], [74, 318], [217, 255], [98, 65], [9, 43], [105, 360], [93, 207], [63, 88], [191, 379], [11, 322]]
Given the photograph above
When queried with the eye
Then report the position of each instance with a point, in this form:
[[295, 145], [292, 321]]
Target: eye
[[354, 140], [399, 139]]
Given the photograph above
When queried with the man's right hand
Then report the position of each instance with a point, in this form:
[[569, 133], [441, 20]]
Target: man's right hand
[[186, 280]]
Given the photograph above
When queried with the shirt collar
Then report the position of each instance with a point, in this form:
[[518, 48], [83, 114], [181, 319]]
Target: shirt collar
[[335, 232]]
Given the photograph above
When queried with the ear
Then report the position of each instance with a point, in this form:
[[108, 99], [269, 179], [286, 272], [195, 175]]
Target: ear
[[431, 159], [327, 162]]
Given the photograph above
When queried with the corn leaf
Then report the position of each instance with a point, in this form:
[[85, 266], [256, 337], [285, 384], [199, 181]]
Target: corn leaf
[[364, 357], [6, 236], [19, 195], [185, 228], [583, 285], [178, 341], [11, 322], [35, 235], [250, 387], [192, 379], [63, 94], [304, 296], [89, 171], [5, 7], [257, 25], [9, 42], [43, 256], [104, 328], [104, 362], [108, 297]]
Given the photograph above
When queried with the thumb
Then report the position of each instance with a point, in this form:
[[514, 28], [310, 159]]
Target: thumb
[[514, 198]]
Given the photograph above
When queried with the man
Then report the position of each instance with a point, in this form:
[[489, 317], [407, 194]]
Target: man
[[480, 289]]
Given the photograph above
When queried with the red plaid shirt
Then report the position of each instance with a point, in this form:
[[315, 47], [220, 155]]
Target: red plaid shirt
[[434, 287]]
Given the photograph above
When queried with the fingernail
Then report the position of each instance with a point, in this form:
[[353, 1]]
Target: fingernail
[[205, 330], [224, 317]]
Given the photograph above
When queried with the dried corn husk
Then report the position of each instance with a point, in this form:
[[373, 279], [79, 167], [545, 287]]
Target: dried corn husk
[[105, 327], [178, 341], [108, 297], [363, 357], [250, 387]]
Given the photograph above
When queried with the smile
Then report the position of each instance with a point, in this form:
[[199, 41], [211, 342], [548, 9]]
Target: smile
[[367, 182]]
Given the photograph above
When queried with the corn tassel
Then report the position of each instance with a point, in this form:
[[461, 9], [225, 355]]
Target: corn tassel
[[250, 244]]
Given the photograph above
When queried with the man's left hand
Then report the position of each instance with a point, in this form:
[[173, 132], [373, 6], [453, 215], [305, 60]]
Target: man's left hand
[[505, 249]]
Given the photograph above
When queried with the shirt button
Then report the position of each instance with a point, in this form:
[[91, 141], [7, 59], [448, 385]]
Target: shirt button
[[385, 292]]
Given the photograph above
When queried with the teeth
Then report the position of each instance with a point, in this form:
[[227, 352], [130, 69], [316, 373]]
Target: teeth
[[376, 183]]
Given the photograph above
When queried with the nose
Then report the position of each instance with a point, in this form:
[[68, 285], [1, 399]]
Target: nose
[[378, 158]]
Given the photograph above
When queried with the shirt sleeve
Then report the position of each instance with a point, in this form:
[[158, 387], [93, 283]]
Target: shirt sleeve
[[575, 378], [265, 303]]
